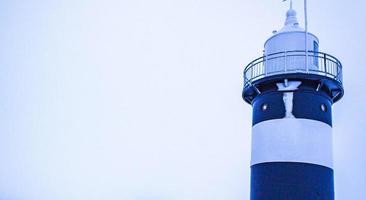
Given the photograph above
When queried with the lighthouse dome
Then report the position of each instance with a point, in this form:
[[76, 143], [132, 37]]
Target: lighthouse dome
[[291, 37], [291, 23], [291, 12]]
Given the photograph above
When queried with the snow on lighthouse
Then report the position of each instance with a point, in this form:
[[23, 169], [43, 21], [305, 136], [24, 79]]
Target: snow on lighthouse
[[292, 88]]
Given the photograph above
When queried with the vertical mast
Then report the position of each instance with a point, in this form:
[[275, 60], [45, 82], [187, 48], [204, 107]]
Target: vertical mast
[[306, 34]]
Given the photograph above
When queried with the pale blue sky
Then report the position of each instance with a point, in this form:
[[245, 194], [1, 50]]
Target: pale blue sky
[[141, 100]]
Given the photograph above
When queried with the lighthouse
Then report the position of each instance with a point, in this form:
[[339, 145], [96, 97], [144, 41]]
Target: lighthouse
[[291, 89]]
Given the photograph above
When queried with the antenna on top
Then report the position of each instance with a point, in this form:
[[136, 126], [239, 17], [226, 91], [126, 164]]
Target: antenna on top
[[290, 3]]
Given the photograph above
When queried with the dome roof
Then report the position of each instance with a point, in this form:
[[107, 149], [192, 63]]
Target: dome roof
[[291, 23]]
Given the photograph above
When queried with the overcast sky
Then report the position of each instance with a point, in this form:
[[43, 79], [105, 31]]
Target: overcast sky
[[141, 100]]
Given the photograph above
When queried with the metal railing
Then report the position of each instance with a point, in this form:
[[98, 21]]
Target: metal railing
[[290, 62]]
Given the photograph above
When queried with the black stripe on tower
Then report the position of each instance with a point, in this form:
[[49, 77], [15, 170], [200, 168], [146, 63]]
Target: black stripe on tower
[[307, 104], [291, 181]]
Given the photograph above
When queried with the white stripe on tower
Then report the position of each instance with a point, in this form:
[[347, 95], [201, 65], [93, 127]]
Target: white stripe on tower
[[292, 140]]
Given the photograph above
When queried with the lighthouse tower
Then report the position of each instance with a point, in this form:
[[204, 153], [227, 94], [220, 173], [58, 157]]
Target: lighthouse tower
[[292, 88]]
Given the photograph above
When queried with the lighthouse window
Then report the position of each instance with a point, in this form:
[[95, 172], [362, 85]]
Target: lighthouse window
[[264, 107], [316, 53], [323, 107]]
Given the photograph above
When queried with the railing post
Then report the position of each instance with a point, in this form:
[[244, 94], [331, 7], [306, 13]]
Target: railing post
[[306, 62], [251, 71], [325, 64], [264, 66], [285, 61], [339, 74], [245, 77]]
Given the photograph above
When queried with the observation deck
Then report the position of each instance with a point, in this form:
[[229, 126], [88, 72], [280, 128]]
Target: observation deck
[[320, 70]]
